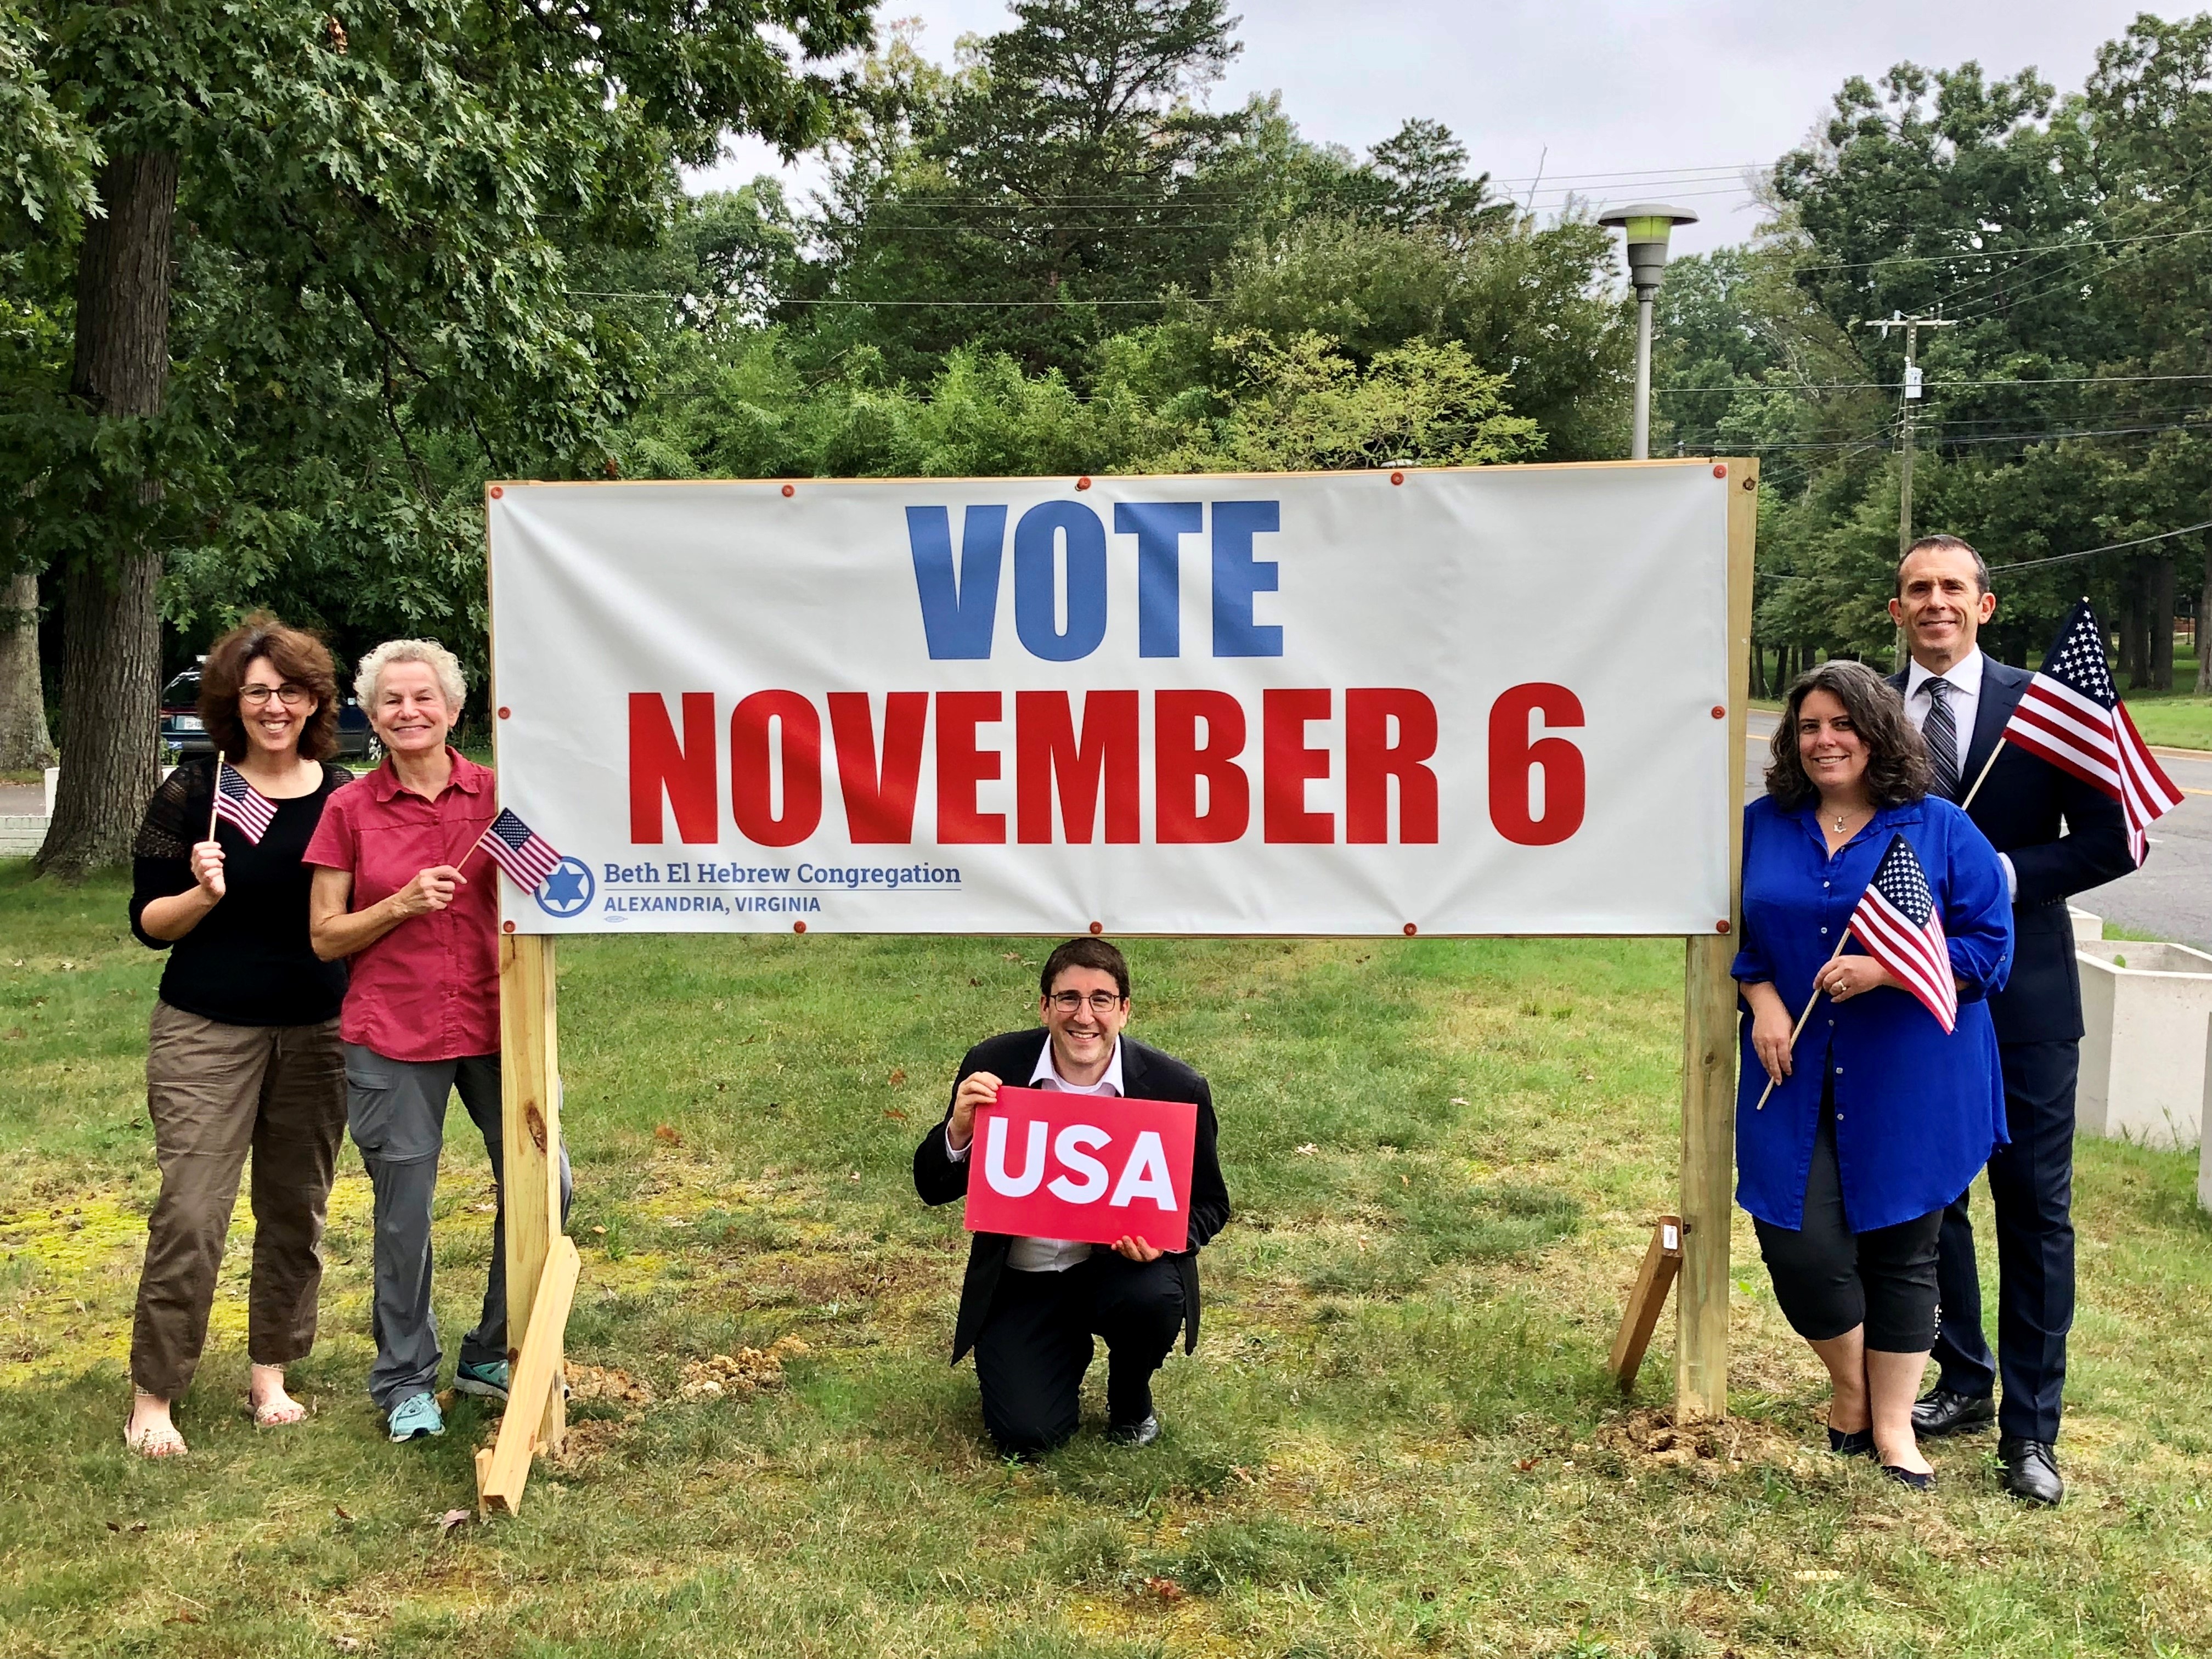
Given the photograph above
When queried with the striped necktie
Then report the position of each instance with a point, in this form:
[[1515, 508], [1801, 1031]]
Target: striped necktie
[[1942, 734]]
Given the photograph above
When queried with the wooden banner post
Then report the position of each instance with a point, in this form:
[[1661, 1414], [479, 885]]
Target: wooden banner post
[[536, 1302], [1709, 1032]]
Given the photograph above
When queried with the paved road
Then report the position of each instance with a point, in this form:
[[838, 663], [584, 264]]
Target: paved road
[[2170, 897]]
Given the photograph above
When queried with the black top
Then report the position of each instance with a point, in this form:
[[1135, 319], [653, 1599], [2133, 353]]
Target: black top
[[1147, 1073], [2064, 837], [248, 962]]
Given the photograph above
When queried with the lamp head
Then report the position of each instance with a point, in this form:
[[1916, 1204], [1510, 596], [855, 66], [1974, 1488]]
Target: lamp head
[[1645, 226]]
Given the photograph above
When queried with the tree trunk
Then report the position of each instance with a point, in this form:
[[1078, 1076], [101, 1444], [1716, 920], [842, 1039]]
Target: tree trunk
[[112, 629], [2159, 579], [1758, 668], [2204, 645], [24, 744], [2134, 630]]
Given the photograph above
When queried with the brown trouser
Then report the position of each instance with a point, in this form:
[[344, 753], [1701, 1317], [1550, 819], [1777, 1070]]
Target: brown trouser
[[214, 1091]]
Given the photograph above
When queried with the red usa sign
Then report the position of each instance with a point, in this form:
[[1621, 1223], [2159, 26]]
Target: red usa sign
[[1087, 1167]]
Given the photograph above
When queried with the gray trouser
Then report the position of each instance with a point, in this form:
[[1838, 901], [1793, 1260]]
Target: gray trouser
[[397, 1111]]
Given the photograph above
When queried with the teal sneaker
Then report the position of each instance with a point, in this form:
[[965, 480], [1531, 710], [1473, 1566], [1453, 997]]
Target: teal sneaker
[[489, 1381], [416, 1417]]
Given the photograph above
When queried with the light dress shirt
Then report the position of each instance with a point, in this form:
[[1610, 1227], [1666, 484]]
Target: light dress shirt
[[1052, 1255], [1964, 679]]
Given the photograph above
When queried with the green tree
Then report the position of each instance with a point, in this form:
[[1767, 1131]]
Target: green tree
[[365, 210]]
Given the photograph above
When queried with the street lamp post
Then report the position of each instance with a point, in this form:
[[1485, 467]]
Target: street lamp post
[[1645, 226]]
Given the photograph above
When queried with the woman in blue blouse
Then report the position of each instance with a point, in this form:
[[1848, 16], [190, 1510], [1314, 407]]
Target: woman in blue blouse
[[1878, 1118]]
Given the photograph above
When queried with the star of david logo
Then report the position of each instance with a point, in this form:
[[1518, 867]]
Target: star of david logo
[[567, 891]]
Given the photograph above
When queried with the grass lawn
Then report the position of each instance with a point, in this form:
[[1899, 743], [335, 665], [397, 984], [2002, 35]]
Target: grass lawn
[[1395, 1439]]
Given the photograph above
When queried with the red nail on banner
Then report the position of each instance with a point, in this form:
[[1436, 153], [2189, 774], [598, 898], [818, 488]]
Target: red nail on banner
[[1053, 1165]]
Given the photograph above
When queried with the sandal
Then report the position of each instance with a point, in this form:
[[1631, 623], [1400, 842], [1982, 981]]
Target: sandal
[[154, 1440]]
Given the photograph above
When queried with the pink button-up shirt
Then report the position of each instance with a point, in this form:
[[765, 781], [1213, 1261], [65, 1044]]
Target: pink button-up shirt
[[429, 988]]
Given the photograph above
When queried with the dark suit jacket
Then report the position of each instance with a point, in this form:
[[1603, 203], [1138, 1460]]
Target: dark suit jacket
[[1146, 1074], [2020, 808]]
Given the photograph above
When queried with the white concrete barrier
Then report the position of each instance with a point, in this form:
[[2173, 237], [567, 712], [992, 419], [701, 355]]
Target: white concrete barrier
[[2204, 1144], [2087, 929], [2144, 1011]]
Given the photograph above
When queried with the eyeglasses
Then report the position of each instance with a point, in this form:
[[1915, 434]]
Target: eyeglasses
[[1071, 1002], [291, 695]]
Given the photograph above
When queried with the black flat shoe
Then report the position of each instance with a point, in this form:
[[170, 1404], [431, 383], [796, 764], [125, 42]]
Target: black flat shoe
[[1912, 1478], [1941, 1411], [2030, 1470], [1851, 1442]]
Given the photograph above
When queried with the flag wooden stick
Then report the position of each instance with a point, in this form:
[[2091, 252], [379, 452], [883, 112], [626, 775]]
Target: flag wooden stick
[[1795, 1029], [1980, 776], [216, 801]]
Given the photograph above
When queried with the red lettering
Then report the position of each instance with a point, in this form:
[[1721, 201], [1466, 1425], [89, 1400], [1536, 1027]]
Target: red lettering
[[879, 803], [751, 773], [1104, 763], [961, 766], [1514, 758], [1180, 761], [684, 771], [1284, 716], [1371, 760]]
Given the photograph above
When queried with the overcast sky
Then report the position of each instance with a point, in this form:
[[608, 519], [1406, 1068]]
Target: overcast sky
[[1591, 91]]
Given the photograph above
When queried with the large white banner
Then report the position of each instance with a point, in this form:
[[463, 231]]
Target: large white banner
[[1442, 702]]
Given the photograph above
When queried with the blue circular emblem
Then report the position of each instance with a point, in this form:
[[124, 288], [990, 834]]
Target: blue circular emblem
[[567, 891]]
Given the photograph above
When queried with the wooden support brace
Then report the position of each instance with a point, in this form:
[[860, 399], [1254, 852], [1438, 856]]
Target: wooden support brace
[[534, 1385], [1663, 1260]]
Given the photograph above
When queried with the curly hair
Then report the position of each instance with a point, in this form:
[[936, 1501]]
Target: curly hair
[[1897, 772], [299, 659]]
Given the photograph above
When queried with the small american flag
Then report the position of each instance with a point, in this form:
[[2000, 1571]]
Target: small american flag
[[526, 856], [242, 803], [1897, 922], [2071, 716]]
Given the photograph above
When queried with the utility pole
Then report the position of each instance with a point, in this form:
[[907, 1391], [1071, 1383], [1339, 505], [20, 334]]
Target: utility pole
[[1911, 325]]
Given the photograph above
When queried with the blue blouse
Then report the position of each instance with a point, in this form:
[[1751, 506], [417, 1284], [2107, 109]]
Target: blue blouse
[[1917, 1112]]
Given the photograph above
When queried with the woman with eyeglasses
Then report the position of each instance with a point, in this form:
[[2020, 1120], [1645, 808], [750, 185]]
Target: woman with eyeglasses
[[243, 1055]]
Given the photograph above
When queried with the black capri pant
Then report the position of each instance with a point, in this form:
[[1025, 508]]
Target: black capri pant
[[1829, 1278]]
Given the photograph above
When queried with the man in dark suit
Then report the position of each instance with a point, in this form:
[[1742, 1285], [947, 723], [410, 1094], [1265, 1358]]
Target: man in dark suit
[[1030, 1307], [2056, 836]]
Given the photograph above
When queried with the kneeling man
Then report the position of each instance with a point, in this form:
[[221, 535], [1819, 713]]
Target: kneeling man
[[1030, 1306]]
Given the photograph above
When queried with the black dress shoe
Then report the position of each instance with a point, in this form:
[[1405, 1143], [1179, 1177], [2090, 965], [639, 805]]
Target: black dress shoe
[[1851, 1442], [2030, 1470], [1912, 1478], [1135, 1434], [1942, 1412]]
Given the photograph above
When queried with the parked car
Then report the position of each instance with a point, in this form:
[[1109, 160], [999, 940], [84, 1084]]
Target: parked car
[[185, 735]]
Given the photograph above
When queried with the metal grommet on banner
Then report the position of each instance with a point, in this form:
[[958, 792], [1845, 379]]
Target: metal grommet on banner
[[1411, 930], [789, 489], [1097, 926], [507, 926], [800, 927], [496, 492], [1721, 925], [1083, 483], [1720, 469], [1397, 477], [1720, 713], [505, 711]]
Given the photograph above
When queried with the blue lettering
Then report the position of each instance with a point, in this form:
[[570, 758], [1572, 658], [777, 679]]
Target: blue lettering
[[1159, 528], [1036, 581], [1237, 576], [957, 614]]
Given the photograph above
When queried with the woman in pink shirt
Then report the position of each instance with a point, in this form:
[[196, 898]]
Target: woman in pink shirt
[[400, 894]]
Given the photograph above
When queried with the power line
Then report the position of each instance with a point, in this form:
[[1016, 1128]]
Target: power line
[[2091, 553], [1936, 386], [2006, 252]]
